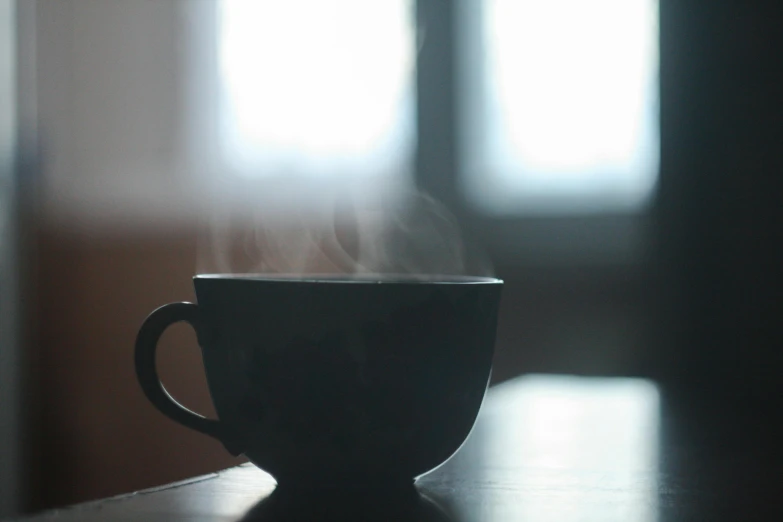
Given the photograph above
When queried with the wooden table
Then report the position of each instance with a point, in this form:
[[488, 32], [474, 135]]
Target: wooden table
[[545, 448]]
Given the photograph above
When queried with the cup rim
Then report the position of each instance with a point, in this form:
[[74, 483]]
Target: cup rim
[[353, 279]]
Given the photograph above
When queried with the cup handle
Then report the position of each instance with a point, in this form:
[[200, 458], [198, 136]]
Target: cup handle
[[147, 372]]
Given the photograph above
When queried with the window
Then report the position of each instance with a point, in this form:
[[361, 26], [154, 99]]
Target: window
[[559, 104], [317, 89], [526, 109]]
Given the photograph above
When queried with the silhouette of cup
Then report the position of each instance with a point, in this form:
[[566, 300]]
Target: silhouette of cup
[[335, 381]]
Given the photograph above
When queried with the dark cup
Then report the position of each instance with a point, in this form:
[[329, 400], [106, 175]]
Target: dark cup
[[335, 381]]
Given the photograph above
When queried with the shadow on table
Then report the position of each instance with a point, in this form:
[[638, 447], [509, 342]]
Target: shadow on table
[[400, 505]]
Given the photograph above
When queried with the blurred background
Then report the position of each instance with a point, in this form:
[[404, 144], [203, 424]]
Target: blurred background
[[618, 161]]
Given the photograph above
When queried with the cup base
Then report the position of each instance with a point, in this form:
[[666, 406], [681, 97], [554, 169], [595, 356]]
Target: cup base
[[381, 486]]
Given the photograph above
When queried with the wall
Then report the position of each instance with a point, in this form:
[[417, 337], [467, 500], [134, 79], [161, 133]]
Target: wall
[[99, 435], [112, 98], [10, 376], [114, 239], [720, 211]]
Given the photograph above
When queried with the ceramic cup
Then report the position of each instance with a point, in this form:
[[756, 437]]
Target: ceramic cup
[[335, 380]]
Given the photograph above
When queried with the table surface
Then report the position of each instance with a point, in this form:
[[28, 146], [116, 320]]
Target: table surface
[[544, 448]]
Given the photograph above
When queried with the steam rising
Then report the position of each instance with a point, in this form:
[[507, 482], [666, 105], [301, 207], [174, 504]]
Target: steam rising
[[409, 234]]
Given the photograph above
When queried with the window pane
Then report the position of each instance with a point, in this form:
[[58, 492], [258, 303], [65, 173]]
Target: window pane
[[317, 88], [559, 104]]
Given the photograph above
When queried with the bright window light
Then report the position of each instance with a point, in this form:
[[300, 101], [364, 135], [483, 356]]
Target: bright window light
[[315, 88], [560, 105], [592, 444]]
